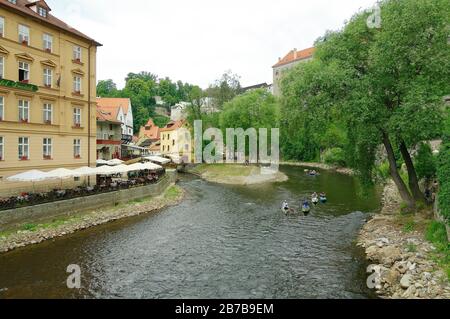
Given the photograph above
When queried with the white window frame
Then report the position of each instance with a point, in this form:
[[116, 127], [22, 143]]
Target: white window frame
[[24, 148], [77, 148], [24, 34], [47, 147], [2, 27], [77, 84], [47, 40], [77, 116], [48, 77], [47, 113], [2, 108], [42, 12], [77, 53], [24, 66], [2, 67], [2, 143], [24, 111]]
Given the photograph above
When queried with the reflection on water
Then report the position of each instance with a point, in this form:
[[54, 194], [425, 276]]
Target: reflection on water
[[220, 242]]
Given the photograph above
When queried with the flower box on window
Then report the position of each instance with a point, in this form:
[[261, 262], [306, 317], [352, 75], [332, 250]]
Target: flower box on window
[[24, 158], [77, 92], [77, 125], [48, 122], [25, 42], [24, 120], [1, 158], [48, 86], [48, 50], [77, 61], [25, 81], [47, 157], [77, 156], [1, 118]]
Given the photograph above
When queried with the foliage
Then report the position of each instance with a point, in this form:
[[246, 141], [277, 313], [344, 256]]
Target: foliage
[[106, 88], [224, 89], [425, 162], [161, 121], [384, 85], [334, 156], [444, 173]]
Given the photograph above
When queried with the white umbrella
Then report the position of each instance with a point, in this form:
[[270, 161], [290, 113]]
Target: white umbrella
[[122, 168], [101, 162], [114, 162], [84, 171], [106, 170], [158, 159], [60, 173], [136, 167], [151, 166], [30, 176]]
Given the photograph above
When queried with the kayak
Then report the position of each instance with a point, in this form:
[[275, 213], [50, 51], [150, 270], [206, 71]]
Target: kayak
[[306, 210], [323, 199], [315, 200]]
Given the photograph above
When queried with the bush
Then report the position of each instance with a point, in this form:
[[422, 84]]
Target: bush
[[444, 181], [334, 156], [384, 171], [437, 233], [425, 162]]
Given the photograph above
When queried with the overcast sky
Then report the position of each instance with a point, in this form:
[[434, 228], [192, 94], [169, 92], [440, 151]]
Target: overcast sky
[[196, 41]]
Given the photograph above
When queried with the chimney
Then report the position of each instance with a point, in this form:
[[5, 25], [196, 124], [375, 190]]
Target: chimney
[[279, 59], [295, 53]]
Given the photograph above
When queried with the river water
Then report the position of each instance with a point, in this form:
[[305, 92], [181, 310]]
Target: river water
[[220, 242]]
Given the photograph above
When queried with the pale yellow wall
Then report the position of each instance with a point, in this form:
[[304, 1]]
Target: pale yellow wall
[[177, 136], [62, 98]]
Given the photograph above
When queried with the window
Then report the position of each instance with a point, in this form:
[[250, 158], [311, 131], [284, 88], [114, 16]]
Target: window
[[48, 77], [77, 117], [2, 108], [48, 42], [2, 67], [48, 113], [42, 12], [47, 148], [76, 84], [2, 26], [13, 1], [77, 148], [24, 34], [1, 148], [24, 72], [24, 111], [24, 148], [77, 53], [173, 142]]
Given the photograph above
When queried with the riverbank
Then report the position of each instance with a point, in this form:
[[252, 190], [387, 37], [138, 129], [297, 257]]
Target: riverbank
[[406, 264], [233, 174], [340, 170], [31, 234]]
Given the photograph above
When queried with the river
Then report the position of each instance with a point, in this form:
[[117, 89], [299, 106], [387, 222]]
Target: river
[[220, 242]]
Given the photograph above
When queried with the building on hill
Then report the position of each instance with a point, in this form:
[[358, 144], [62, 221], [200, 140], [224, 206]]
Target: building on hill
[[176, 142], [47, 93], [178, 112], [265, 86], [123, 111], [293, 58], [149, 136], [109, 136]]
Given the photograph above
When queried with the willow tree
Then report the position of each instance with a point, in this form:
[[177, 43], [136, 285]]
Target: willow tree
[[386, 83]]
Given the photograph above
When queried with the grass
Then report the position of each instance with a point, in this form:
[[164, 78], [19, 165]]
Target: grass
[[436, 233], [410, 226], [411, 248], [173, 192], [218, 170]]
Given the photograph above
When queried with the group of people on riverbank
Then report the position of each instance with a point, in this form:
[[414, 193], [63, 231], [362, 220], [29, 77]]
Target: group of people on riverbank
[[305, 205]]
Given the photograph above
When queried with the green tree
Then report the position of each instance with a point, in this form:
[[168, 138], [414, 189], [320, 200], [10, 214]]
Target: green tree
[[106, 88], [224, 89], [387, 84], [425, 162]]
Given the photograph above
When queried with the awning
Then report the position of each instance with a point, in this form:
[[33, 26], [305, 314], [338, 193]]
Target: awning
[[158, 159], [30, 176]]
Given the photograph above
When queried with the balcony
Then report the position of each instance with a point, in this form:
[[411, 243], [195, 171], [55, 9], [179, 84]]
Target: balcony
[[127, 139]]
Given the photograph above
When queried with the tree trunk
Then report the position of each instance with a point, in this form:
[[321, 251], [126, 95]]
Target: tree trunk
[[413, 180], [404, 193]]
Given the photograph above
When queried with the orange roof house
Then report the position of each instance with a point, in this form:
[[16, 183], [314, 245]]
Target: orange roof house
[[289, 61], [149, 134], [121, 109]]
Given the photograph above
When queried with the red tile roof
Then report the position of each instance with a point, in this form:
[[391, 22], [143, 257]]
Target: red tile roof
[[105, 116], [150, 130], [294, 55], [23, 7], [117, 103], [172, 126]]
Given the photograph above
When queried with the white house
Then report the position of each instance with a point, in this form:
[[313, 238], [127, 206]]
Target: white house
[[122, 110]]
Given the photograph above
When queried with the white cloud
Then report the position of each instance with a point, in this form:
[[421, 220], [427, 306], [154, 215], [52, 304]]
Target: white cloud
[[196, 41]]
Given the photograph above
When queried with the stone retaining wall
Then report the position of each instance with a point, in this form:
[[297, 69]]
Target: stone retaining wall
[[49, 211]]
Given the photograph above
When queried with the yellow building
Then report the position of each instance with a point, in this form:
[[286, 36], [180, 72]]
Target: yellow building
[[47, 92], [176, 142]]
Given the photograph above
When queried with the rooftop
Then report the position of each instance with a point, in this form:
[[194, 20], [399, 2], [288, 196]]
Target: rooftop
[[114, 103], [295, 55]]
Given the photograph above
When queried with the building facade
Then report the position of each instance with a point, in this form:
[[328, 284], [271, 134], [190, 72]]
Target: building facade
[[149, 137], [293, 58], [123, 112], [109, 136], [47, 92], [176, 142]]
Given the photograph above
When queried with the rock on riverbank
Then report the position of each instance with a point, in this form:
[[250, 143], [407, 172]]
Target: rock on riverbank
[[402, 260], [41, 233]]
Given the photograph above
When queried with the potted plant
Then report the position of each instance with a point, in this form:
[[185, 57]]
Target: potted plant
[[47, 157], [77, 156], [25, 42], [24, 120], [77, 125], [24, 158]]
